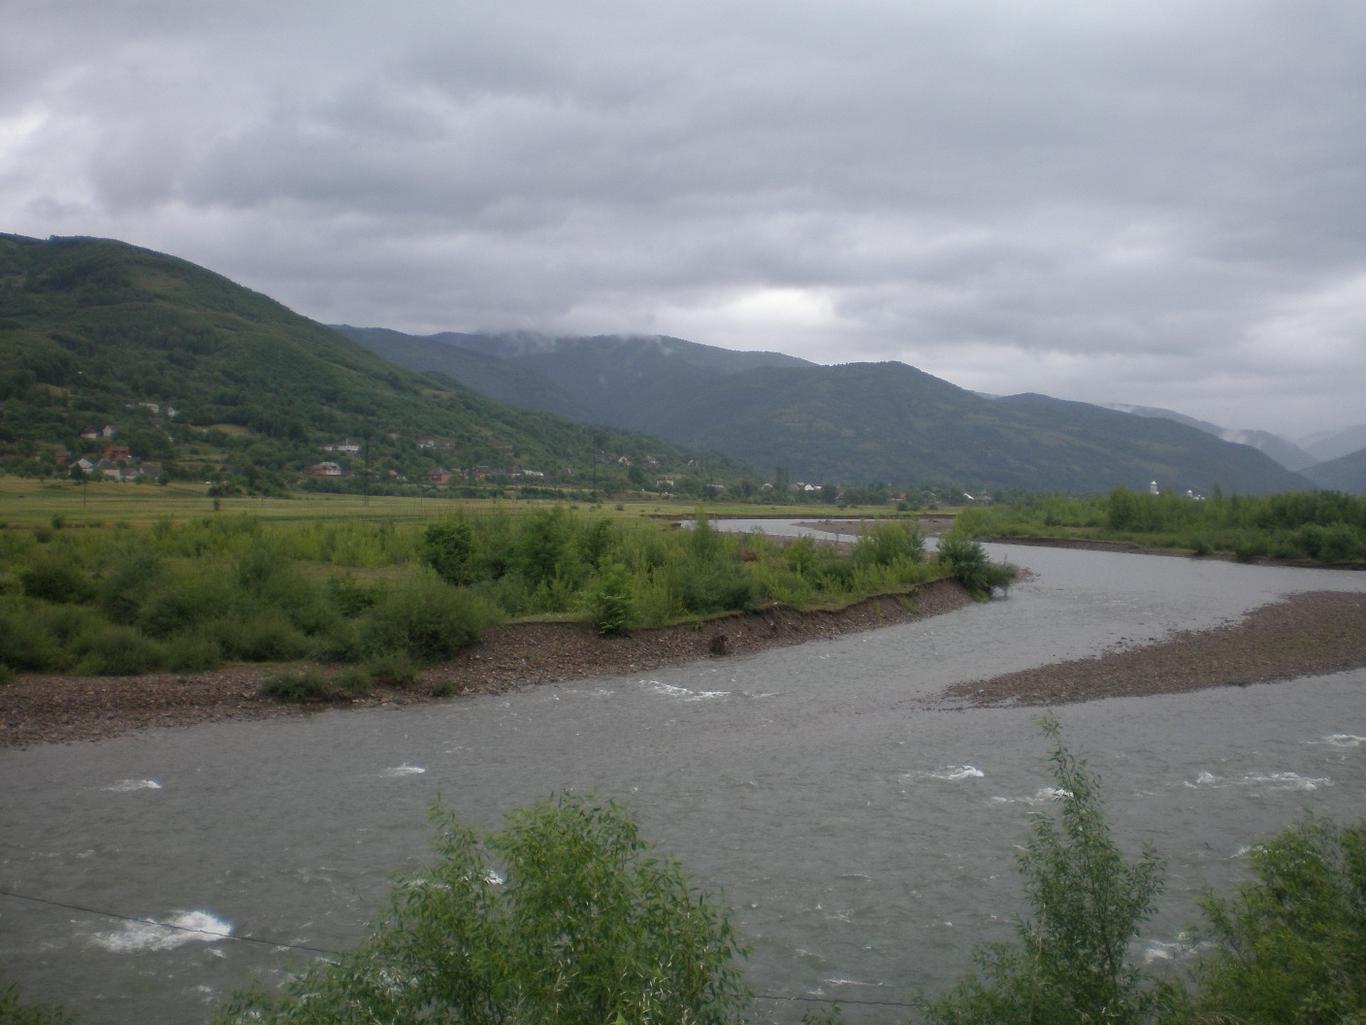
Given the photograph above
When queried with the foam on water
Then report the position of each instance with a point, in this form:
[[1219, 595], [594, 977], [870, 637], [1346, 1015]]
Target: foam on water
[[1264, 780], [954, 773], [669, 690], [1041, 796], [180, 928], [405, 769], [1342, 740], [127, 786]]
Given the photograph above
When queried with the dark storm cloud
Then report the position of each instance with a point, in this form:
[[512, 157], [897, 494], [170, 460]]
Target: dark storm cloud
[[1155, 203]]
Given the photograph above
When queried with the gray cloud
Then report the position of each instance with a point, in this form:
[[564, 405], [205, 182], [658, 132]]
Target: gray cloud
[[1156, 203]]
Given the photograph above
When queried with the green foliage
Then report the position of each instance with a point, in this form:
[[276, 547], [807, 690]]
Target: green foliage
[[308, 687], [191, 652], [587, 927], [967, 562], [54, 578], [1069, 961], [393, 669], [108, 649], [448, 547], [1322, 526], [609, 600], [427, 618], [887, 544], [1291, 943], [12, 1012]]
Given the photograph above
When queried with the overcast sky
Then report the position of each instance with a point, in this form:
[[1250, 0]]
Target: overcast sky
[[1151, 202]]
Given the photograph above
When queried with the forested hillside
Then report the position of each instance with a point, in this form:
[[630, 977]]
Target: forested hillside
[[185, 369]]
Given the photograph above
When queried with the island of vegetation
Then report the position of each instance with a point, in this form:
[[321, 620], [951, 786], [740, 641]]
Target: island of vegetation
[[225, 615]]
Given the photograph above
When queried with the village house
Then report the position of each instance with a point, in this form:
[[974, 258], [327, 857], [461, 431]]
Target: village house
[[439, 476], [96, 433], [117, 452], [325, 470], [343, 446]]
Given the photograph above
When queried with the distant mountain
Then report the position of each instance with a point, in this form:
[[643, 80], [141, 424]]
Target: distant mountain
[[1345, 473], [1287, 453], [1326, 445], [855, 424], [185, 366], [613, 379]]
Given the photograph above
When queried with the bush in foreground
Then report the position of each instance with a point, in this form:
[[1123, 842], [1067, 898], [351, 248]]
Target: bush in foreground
[[586, 925], [1069, 962], [1290, 944]]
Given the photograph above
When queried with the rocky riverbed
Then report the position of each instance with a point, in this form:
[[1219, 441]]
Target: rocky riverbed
[[1307, 634]]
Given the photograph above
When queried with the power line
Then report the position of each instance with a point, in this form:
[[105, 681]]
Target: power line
[[266, 941]]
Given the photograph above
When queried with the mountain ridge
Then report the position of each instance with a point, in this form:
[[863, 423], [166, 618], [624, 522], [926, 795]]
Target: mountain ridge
[[855, 422]]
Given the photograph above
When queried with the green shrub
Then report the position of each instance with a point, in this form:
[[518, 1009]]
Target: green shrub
[[187, 597], [588, 927], [428, 619], [263, 637], [448, 547], [393, 669], [341, 641], [1290, 945], [888, 543], [54, 578], [109, 649], [350, 597], [6, 674], [37, 639], [353, 681], [609, 600], [967, 561], [191, 653], [12, 1012], [1069, 961], [307, 687], [125, 585]]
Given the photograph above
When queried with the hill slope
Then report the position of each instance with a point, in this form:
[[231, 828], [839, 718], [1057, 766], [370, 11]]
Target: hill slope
[[1285, 452], [189, 367], [1346, 473], [856, 423]]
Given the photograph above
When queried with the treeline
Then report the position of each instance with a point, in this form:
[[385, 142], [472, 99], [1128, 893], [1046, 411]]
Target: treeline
[[388, 598], [1321, 526]]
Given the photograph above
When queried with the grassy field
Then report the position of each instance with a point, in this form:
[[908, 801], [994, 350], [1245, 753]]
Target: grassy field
[[31, 503]]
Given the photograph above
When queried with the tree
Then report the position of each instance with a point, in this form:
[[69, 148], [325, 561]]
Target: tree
[[1069, 961], [585, 926], [1291, 943]]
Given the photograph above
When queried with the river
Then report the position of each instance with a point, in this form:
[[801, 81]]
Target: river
[[862, 828]]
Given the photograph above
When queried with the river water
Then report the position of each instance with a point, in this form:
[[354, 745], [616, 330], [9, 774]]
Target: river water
[[863, 830]]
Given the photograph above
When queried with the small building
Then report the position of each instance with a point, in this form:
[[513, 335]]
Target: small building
[[325, 470], [343, 446], [439, 476], [117, 452]]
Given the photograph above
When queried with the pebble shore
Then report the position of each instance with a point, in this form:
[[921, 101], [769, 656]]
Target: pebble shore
[[1310, 634]]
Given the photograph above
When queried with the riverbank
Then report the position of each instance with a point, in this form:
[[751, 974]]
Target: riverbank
[[57, 708], [1308, 634], [1134, 548]]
